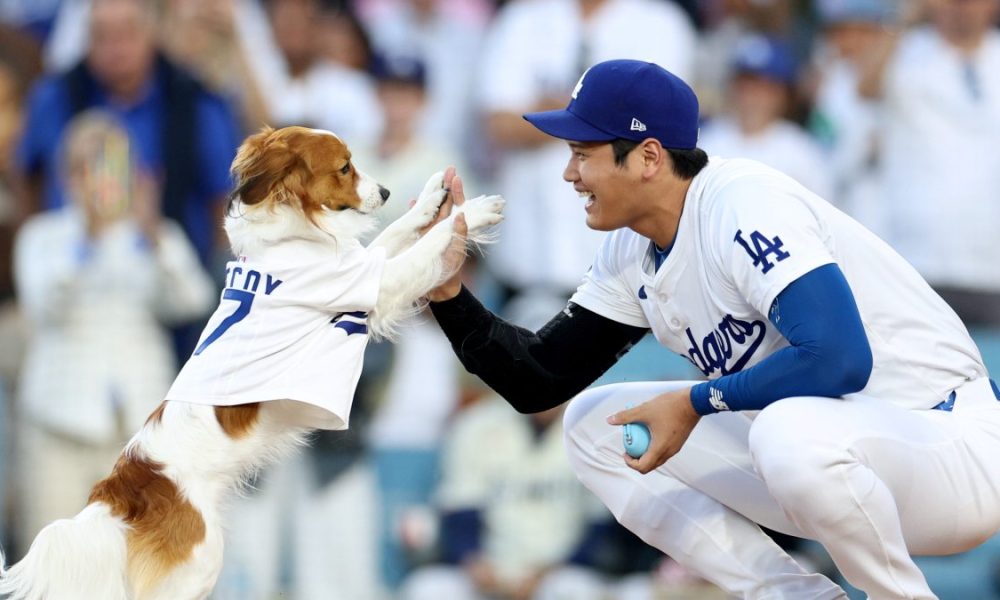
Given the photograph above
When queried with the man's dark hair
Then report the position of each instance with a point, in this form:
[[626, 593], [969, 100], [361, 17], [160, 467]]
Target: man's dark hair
[[686, 163], [621, 147]]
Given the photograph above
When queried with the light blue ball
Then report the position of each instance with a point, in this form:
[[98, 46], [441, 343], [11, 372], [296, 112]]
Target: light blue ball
[[636, 438]]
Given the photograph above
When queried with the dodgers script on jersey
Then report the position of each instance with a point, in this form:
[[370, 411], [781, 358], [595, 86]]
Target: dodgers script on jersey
[[291, 325], [746, 232]]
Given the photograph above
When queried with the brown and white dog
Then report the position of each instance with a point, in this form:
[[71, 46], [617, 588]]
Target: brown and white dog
[[152, 530]]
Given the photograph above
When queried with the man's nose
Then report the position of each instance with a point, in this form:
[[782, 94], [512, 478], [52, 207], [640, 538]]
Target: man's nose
[[384, 193], [569, 173]]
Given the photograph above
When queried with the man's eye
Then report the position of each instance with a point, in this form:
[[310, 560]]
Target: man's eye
[[346, 169]]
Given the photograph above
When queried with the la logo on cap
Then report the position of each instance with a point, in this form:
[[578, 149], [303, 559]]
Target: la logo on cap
[[637, 125]]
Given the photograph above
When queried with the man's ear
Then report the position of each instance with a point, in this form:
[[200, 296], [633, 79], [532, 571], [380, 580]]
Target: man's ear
[[653, 156]]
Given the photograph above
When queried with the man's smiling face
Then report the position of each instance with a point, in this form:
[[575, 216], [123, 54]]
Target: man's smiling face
[[606, 187]]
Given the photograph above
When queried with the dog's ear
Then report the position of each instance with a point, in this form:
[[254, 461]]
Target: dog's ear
[[262, 162]]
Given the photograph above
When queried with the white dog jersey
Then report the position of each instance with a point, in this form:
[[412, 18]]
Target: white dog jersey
[[748, 231], [290, 325]]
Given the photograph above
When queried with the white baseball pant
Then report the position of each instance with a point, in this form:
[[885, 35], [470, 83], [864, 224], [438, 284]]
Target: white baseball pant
[[871, 481]]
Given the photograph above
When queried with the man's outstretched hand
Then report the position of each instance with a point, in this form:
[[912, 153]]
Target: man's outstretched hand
[[454, 257]]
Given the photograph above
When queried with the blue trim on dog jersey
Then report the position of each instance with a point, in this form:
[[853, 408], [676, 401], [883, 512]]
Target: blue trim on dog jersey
[[828, 353]]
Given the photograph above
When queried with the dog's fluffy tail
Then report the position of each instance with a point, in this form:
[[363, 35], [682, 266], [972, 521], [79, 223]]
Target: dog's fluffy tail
[[83, 557]]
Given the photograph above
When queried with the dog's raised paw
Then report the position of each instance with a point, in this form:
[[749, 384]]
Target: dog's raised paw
[[430, 199], [483, 211]]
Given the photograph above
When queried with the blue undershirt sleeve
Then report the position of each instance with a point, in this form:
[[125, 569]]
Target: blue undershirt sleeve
[[828, 353]]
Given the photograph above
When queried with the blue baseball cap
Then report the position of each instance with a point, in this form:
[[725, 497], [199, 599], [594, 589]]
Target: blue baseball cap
[[628, 99], [399, 69], [835, 12], [767, 57]]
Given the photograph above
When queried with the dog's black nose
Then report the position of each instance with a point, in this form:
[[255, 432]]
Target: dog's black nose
[[384, 193]]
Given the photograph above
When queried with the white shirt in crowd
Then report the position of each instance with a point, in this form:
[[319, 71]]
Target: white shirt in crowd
[[942, 158], [98, 351], [783, 145], [849, 123]]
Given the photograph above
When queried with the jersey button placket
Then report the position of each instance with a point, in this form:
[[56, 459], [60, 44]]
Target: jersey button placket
[[670, 318]]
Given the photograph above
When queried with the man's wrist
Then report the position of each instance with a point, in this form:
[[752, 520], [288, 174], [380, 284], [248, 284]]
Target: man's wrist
[[700, 399], [444, 293]]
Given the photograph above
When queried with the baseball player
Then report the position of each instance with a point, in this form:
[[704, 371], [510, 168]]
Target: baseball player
[[845, 401]]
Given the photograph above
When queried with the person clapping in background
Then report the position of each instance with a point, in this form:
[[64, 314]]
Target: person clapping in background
[[98, 281]]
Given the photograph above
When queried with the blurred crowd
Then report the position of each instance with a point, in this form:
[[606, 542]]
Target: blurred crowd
[[118, 122]]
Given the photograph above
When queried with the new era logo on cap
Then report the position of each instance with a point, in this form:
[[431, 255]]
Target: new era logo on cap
[[627, 99]]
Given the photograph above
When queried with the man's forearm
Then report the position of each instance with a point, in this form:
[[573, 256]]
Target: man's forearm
[[533, 371]]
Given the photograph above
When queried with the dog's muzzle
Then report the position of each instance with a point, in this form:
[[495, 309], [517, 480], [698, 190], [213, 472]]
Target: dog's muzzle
[[384, 193]]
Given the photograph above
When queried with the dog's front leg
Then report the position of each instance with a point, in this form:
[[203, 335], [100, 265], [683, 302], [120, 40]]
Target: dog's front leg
[[407, 277]]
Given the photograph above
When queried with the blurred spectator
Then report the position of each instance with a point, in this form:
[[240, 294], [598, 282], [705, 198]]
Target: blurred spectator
[[344, 40], [185, 135], [307, 528], [35, 16], [843, 120], [300, 86], [727, 22], [421, 391], [97, 279], [10, 214], [11, 339], [66, 44], [5, 451], [940, 85], [21, 54], [512, 512], [448, 43], [404, 154], [302, 537], [421, 387], [764, 76], [535, 53], [475, 13], [205, 36]]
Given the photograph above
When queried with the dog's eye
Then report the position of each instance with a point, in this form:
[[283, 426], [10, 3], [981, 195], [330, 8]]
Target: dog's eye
[[346, 169]]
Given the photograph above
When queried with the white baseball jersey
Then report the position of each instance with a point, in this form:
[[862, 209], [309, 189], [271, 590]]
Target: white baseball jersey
[[291, 324], [746, 232]]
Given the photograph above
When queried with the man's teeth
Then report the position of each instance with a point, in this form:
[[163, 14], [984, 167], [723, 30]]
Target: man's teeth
[[586, 195]]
